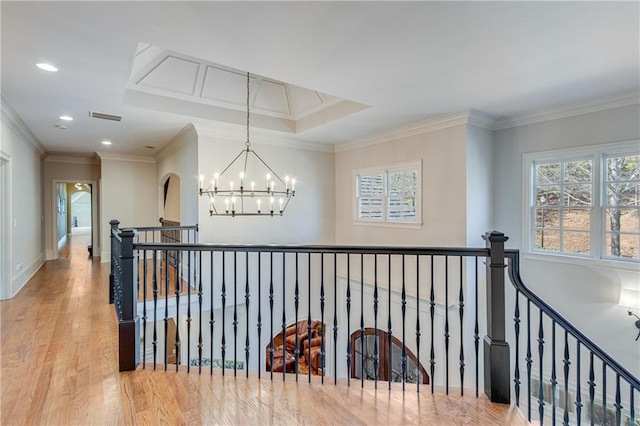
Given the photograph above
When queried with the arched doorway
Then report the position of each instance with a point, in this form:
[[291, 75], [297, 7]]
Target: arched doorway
[[171, 198], [389, 359]]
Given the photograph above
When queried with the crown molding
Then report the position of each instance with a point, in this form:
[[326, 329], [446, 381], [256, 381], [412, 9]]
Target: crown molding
[[69, 159], [14, 121], [177, 142], [121, 157], [259, 136], [603, 104], [432, 124], [480, 119]]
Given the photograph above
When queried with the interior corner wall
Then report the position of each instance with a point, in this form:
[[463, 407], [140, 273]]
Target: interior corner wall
[[68, 170], [183, 162], [479, 188], [26, 248], [309, 216], [128, 194], [586, 295], [443, 189]]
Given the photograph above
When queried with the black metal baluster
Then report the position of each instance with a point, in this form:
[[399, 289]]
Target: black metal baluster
[[476, 330], [322, 348], [389, 330], [446, 323], [404, 338], [177, 288], [529, 360], [271, 348], [516, 325], [246, 310], [284, 316], [375, 319], [554, 381], [144, 308], [259, 313], [432, 303], [578, 393], [335, 318], [566, 379], [618, 404], [200, 312], [309, 311], [461, 310], [223, 295], [418, 323], [604, 392], [189, 311], [155, 308], [296, 298], [166, 309], [212, 318], [348, 319], [362, 320], [632, 410], [235, 313], [541, 375], [592, 388]]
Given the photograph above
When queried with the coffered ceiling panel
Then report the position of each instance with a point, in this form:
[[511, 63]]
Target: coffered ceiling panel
[[173, 75], [164, 80], [225, 86]]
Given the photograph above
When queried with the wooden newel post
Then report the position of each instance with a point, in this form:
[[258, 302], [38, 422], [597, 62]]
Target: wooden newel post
[[496, 349], [129, 325], [114, 226]]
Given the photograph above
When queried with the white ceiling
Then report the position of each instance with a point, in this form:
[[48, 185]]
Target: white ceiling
[[407, 61]]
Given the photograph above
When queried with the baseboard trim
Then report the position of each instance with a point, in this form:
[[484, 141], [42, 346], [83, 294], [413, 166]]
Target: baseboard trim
[[18, 282]]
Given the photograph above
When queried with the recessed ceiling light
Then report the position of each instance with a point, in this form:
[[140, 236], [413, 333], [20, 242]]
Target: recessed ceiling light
[[66, 118], [46, 67], [106, 142]]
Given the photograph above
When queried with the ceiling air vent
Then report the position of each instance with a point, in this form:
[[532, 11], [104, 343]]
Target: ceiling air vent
[[103, 116]]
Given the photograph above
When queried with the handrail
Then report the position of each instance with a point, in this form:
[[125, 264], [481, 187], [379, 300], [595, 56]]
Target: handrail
[[161, 228], [514, 273], [436, 251]]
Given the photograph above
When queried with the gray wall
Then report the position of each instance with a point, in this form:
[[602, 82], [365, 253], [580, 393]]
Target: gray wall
[[587, 293]]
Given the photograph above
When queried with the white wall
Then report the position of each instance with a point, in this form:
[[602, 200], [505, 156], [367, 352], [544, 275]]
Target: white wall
[[587, 295], [26, 244], [443, 187], [129, 193], [307, 220], [180, 157]]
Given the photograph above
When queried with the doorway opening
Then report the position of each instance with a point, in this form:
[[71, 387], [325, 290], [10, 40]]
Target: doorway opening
[[74, 215]]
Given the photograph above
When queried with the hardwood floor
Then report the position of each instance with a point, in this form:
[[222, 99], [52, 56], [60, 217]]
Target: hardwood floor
[[58, 366]]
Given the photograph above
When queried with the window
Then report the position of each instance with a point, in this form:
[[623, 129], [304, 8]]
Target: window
[[585, 202], [389, 195], [621, 206], [381, 361]]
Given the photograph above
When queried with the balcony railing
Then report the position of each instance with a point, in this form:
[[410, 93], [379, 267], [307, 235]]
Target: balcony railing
[[387, 314]]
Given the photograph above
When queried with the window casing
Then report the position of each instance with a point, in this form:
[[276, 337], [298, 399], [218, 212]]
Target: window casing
[[584, 202], [389, 195]]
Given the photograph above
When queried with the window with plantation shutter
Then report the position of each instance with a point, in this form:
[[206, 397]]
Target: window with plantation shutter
[[389, 194]]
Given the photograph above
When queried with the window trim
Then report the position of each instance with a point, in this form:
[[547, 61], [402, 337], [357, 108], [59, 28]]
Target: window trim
[[385, 169], [597, 226]]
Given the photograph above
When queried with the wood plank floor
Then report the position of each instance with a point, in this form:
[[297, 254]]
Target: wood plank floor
[[58, 366]]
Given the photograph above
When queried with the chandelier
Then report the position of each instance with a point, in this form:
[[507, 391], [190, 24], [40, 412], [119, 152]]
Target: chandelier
[[269, 196]]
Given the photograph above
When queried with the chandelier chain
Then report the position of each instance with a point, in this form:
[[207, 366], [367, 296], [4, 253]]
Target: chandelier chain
[[248, 144]]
